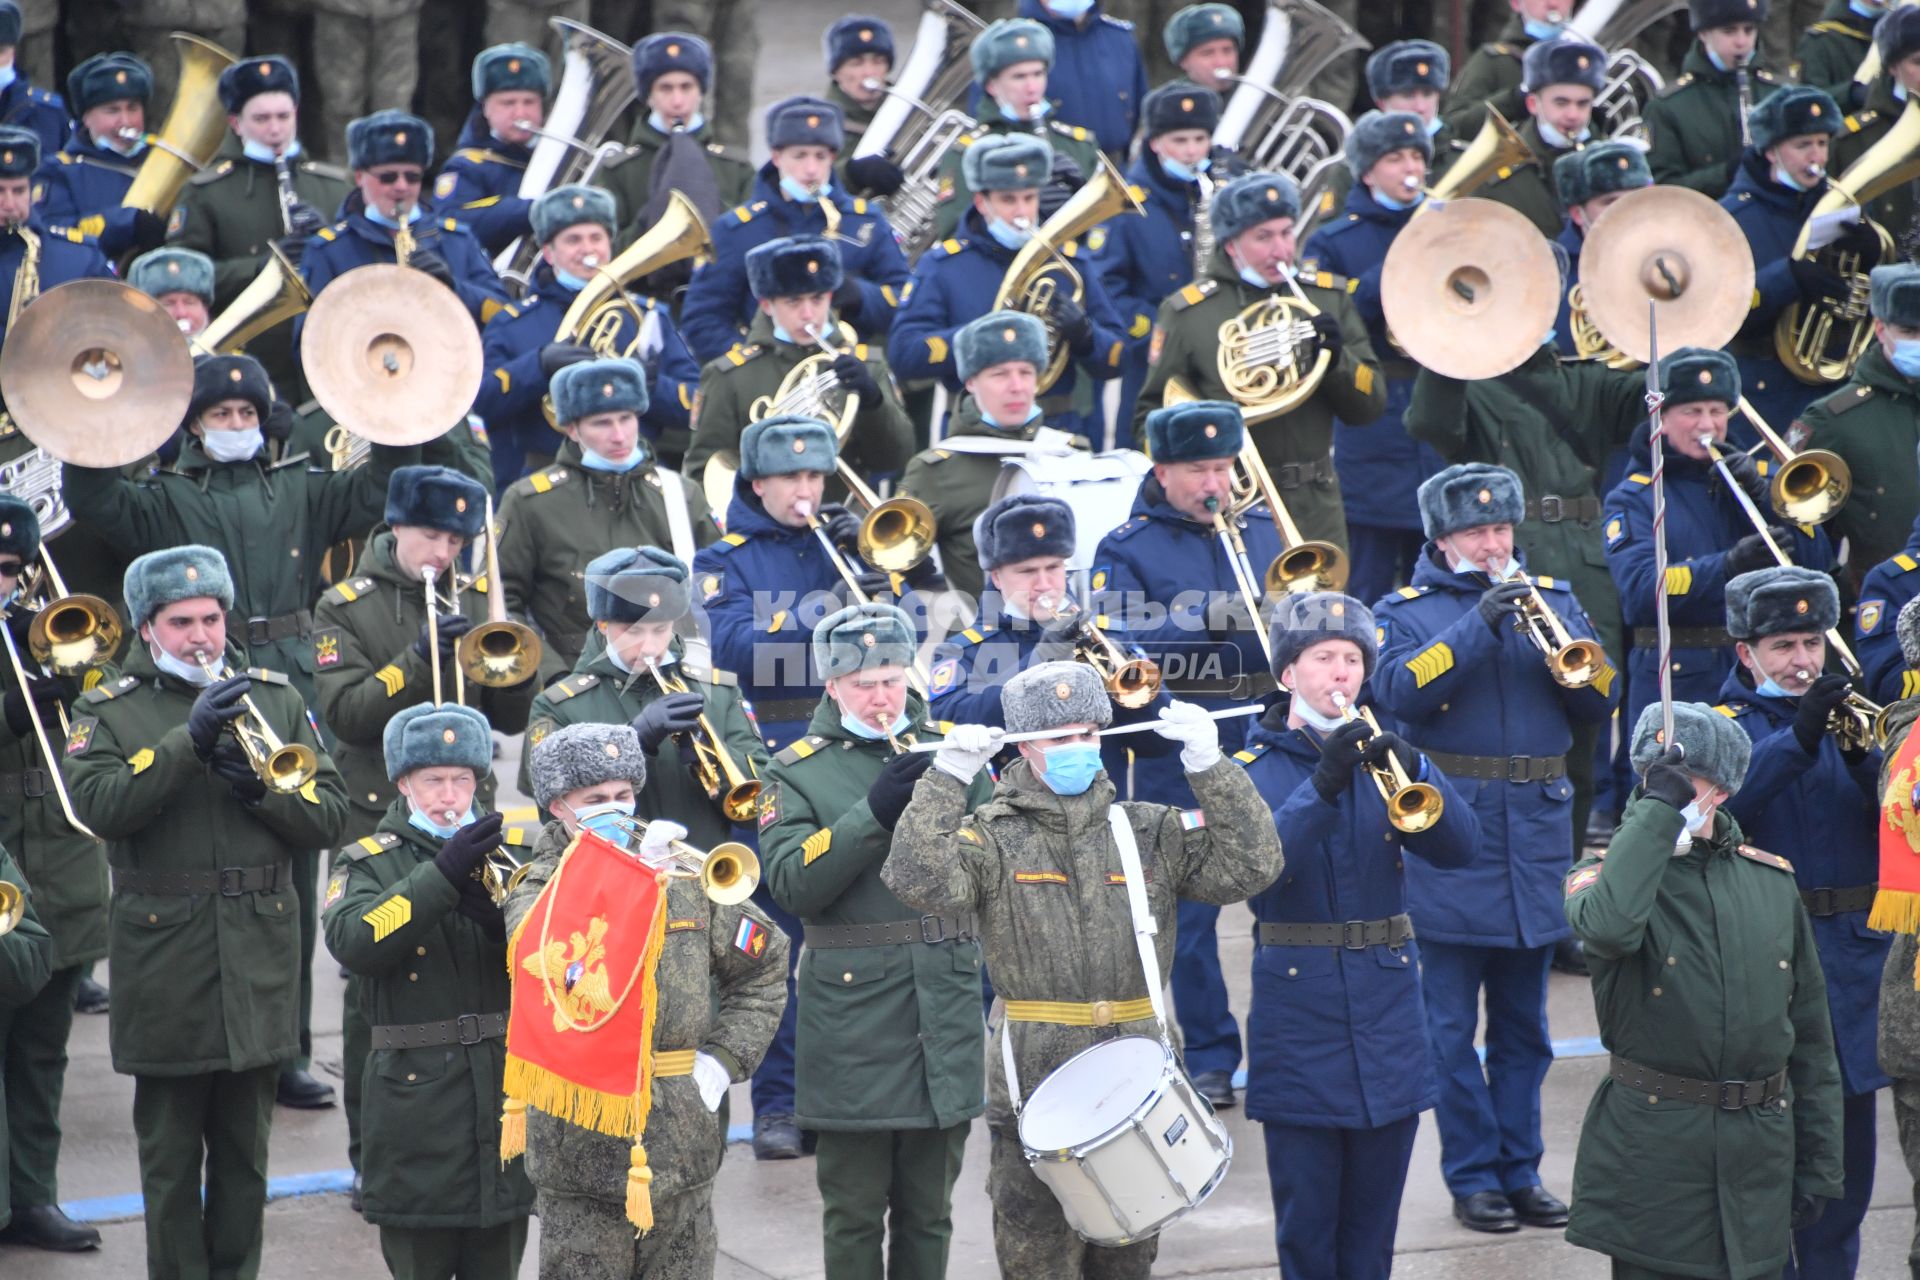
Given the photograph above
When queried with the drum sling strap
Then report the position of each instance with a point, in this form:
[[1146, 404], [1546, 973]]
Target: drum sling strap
[[679, 523]]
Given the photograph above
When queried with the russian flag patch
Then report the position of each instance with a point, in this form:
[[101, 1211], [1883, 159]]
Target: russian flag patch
[[750, 938], [1192, 818]]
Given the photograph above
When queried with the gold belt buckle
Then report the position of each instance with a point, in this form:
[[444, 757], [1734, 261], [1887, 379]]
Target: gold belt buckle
[[1103, 1013]]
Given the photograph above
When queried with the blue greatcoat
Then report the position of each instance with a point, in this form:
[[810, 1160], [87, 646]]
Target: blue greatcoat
[[65, 255], [1572, 240], [28, 107], [82, 186], [1142, 260], [358, 241], [480, 186], [1883, 593], [511, 392], [1703, 523], [1098, 80], [1770, 216], [720, 305], [955, 283]]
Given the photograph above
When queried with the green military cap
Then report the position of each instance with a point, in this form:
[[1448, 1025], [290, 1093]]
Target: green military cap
[[1198, 23], [862, 636], [786, 443], [1007, 162], [1793, 111], [1006, 42], [1696, 373], [1716, 748], [996, 338], [434, 734], [250, 77], [1051, 694], [173, 270], [160, 578], [1600, 170], [1783, 598], [1894, 294], [510, 66], [1468, 495]]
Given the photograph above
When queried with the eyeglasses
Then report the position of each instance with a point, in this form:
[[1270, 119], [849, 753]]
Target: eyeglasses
[[398, 177], [10, 568]]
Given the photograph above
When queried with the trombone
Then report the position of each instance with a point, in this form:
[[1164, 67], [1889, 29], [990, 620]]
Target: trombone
[[428, 577], [1131, 682], [499, 653], [69, 632], [713, 765], [1573, 662], [1411, 806], [46, 754], [728, 873], [1810, 485], [284, 766]]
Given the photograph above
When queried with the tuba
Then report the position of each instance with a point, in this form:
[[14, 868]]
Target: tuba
[[1268, 118], [196, 126], [1497, 146], [277, 294], [1041, 268]]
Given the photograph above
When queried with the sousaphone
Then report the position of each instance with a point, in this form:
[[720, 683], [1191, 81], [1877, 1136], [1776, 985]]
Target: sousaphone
[[1469, 289], [390, 356], [1677, 249]]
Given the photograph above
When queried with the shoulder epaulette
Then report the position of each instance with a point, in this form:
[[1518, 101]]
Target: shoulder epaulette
[[1682, 82], [950, 246], [1328, 280], [545, 481], [713, 676], [1860, 120], [64, 158], [108, 692], [448, 224], [1131, 527], [1252, 753], [798, 751], [974, 635], [212, 174], [1411, 593], [1906, 562], [1190, 294], [1847, 398], [476, 154], [1765, 76], [1764, 858], [859, 205], [561, 690], [1066, 130], [1505, 50], [324, 170], [264, 676], [1639, 477], [367, 846], [332, 232], [740, 355], [73, 234], [349, 591], [512, 309], [1121, 23], [1548, 582], [727, 542]]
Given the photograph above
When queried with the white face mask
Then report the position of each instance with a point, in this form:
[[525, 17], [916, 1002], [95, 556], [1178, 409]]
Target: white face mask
[[1325, 724], [232, 446], [191, 672]]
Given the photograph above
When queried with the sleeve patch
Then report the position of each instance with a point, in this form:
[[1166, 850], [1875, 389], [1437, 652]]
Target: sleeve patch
[[141, 760], [390, 915], [769, 806], [1584, 878], [943, 674], [1430, 664], [1870, 613], [335, 887], [1616, 532], [750, 938], [712, 585], [1192, 819], [815, 846], [326, 647], [80, 737]]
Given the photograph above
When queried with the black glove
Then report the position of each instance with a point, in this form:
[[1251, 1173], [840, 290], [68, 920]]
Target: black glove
[[451, 627], [1816, 706], [1326, 331], [1500, 601], [303, 220], [230, 763], [1816, 280], [888, 795], [664, 717], [925, 576], [45, 692], [466, 847], [1743, 469], [842, 526], [877, 174], [1403, 753], [1340, 755], [218, 703], [1858, 238], [279, 423], [1751, 553], [1807, 1210], [851, 372], [149, 231], [1666, 781], [427, 262], [847, 299], [873, 584], [1070, 320], [292, 248], [556, 356]]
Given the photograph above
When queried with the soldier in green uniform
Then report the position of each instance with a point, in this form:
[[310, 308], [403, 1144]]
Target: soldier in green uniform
[[860, 57], [887, 1053], [181, 281], [1831, 50], [233, 210], [1492, 75], [26, 960], [70, 868], [1562, 77], [603, 490], [794, 278], [1011, 60], [1873, 422], [721, 982], [674, 72], [1718, 1127], [1253, 227], [635, 595], [1038, 863], [1697, 128], [273, 518], [1898, 38], [428, 946], [204, 933]]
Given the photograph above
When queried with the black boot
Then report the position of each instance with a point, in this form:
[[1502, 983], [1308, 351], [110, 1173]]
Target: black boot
[[776, 1137], [1216, 1087], [1569, 956], [44, 1226], [89, 997], [299, 1090], [1486, 1211]]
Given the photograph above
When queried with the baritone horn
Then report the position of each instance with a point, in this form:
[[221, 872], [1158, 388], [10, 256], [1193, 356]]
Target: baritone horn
[[284, 766], [276, 294], [1411, 806], [728, 873], [1573, 661], [713, 766], [499, 653]]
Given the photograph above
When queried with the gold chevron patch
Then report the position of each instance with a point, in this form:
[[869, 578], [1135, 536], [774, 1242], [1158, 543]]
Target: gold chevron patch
[[1679, 579], [1603, 680], [392, 677], [140, 760], [389, 915], [1430, 663], [815, 846], [1909, 683]]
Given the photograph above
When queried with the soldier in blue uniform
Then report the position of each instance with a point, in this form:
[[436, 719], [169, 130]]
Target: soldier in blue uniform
[[1206, 41], [574, 228], [1816, 803], [1380, 466], [65, 254], [1337, 1064], [1780, 177], [794, 195], [1164, 580], [1099, 78], [1709, 537], [1589, 181], [1476, 695], [82, 185], [957, 280], [22, 103], [480, 182], [389, 152], [1884, 592], [1410, 76]]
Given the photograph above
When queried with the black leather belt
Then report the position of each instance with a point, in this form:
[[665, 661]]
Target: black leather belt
[[1683, 638], [1294, 475], [1551, 508], [1834, 902], [1500, 768], [1353, 935], [228, 882], [784, 710], [894, 932], [27, 782], [259, 630], [468, 1028], [1728, 1095]]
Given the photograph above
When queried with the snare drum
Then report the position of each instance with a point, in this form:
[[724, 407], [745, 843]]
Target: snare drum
[[1098, 487], [1122, 1140]]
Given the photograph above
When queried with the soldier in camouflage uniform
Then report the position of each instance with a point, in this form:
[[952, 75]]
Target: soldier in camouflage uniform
[[720, 982], [1038, 863], [369, 60]]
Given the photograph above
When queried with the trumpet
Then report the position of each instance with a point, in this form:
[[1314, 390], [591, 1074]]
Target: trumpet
[[1130, 682], [1411, 806], [13, 907], [1573, 662], [1858, 723], [499, 872], [728, 873], [284, 766], [403, 245], [713, 765]]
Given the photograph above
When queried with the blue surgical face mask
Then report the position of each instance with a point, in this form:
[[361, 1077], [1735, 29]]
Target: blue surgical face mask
[[861, 729], [179, 668], [1906, 357], [233, 446], [1899, 91], [1038, 111], [1541, 29], [133, 149], [7, 76], [604, 820], [1719, 63], [1010, 426], [1771, 688], [1397, 206], [794, 191], [1785, 178], [568, 281], [1255, 279], [1558, 140], [1697, 821], [1434, 126], [597, 462], [1008, 235], [661, 125], [780, 332], [264, 154], [381, 218], [1500, 573], [1185, 172], [1070, 769], [1071, 10], [1868, 8], [1325, 724], [422, 822]]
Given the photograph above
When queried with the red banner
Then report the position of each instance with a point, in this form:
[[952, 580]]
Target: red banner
[[1896, 907]]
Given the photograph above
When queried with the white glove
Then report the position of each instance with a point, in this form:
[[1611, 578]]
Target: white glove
[[966, 749], [1197, 733], [660, 834], [712, 1079]]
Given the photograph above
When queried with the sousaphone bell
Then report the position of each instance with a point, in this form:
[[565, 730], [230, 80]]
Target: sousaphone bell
[[392, 357], [1469, 289]]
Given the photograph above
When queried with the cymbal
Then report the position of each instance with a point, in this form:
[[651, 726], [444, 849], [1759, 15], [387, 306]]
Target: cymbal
[[1469, 289], [1678, 249], [96, 373], [391, 354]]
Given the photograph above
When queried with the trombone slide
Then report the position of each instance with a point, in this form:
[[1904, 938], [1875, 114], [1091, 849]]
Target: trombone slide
[[40, 737]]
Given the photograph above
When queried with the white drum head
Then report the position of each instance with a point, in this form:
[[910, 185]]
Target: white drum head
[[1092, 1093]]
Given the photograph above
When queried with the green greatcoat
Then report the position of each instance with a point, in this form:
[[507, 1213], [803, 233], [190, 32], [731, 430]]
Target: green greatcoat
[[880, 440], [598, 692], [1491, 75], [367, 671], [630, 176], [430, 1116], [553, 521], [1703, 967], [1186, 343], [202, 983], [957, 487], [1070, 140], [1831, 50], [1694, 127], [1895, 209], [856, 118], [1505, 421], [886, 1037], [1873, 422], [1528, 187], [26, 962]]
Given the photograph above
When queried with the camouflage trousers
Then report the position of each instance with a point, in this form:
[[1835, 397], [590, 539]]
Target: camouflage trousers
[[1031, 1236], [1906, 1115], [586, 1239]]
